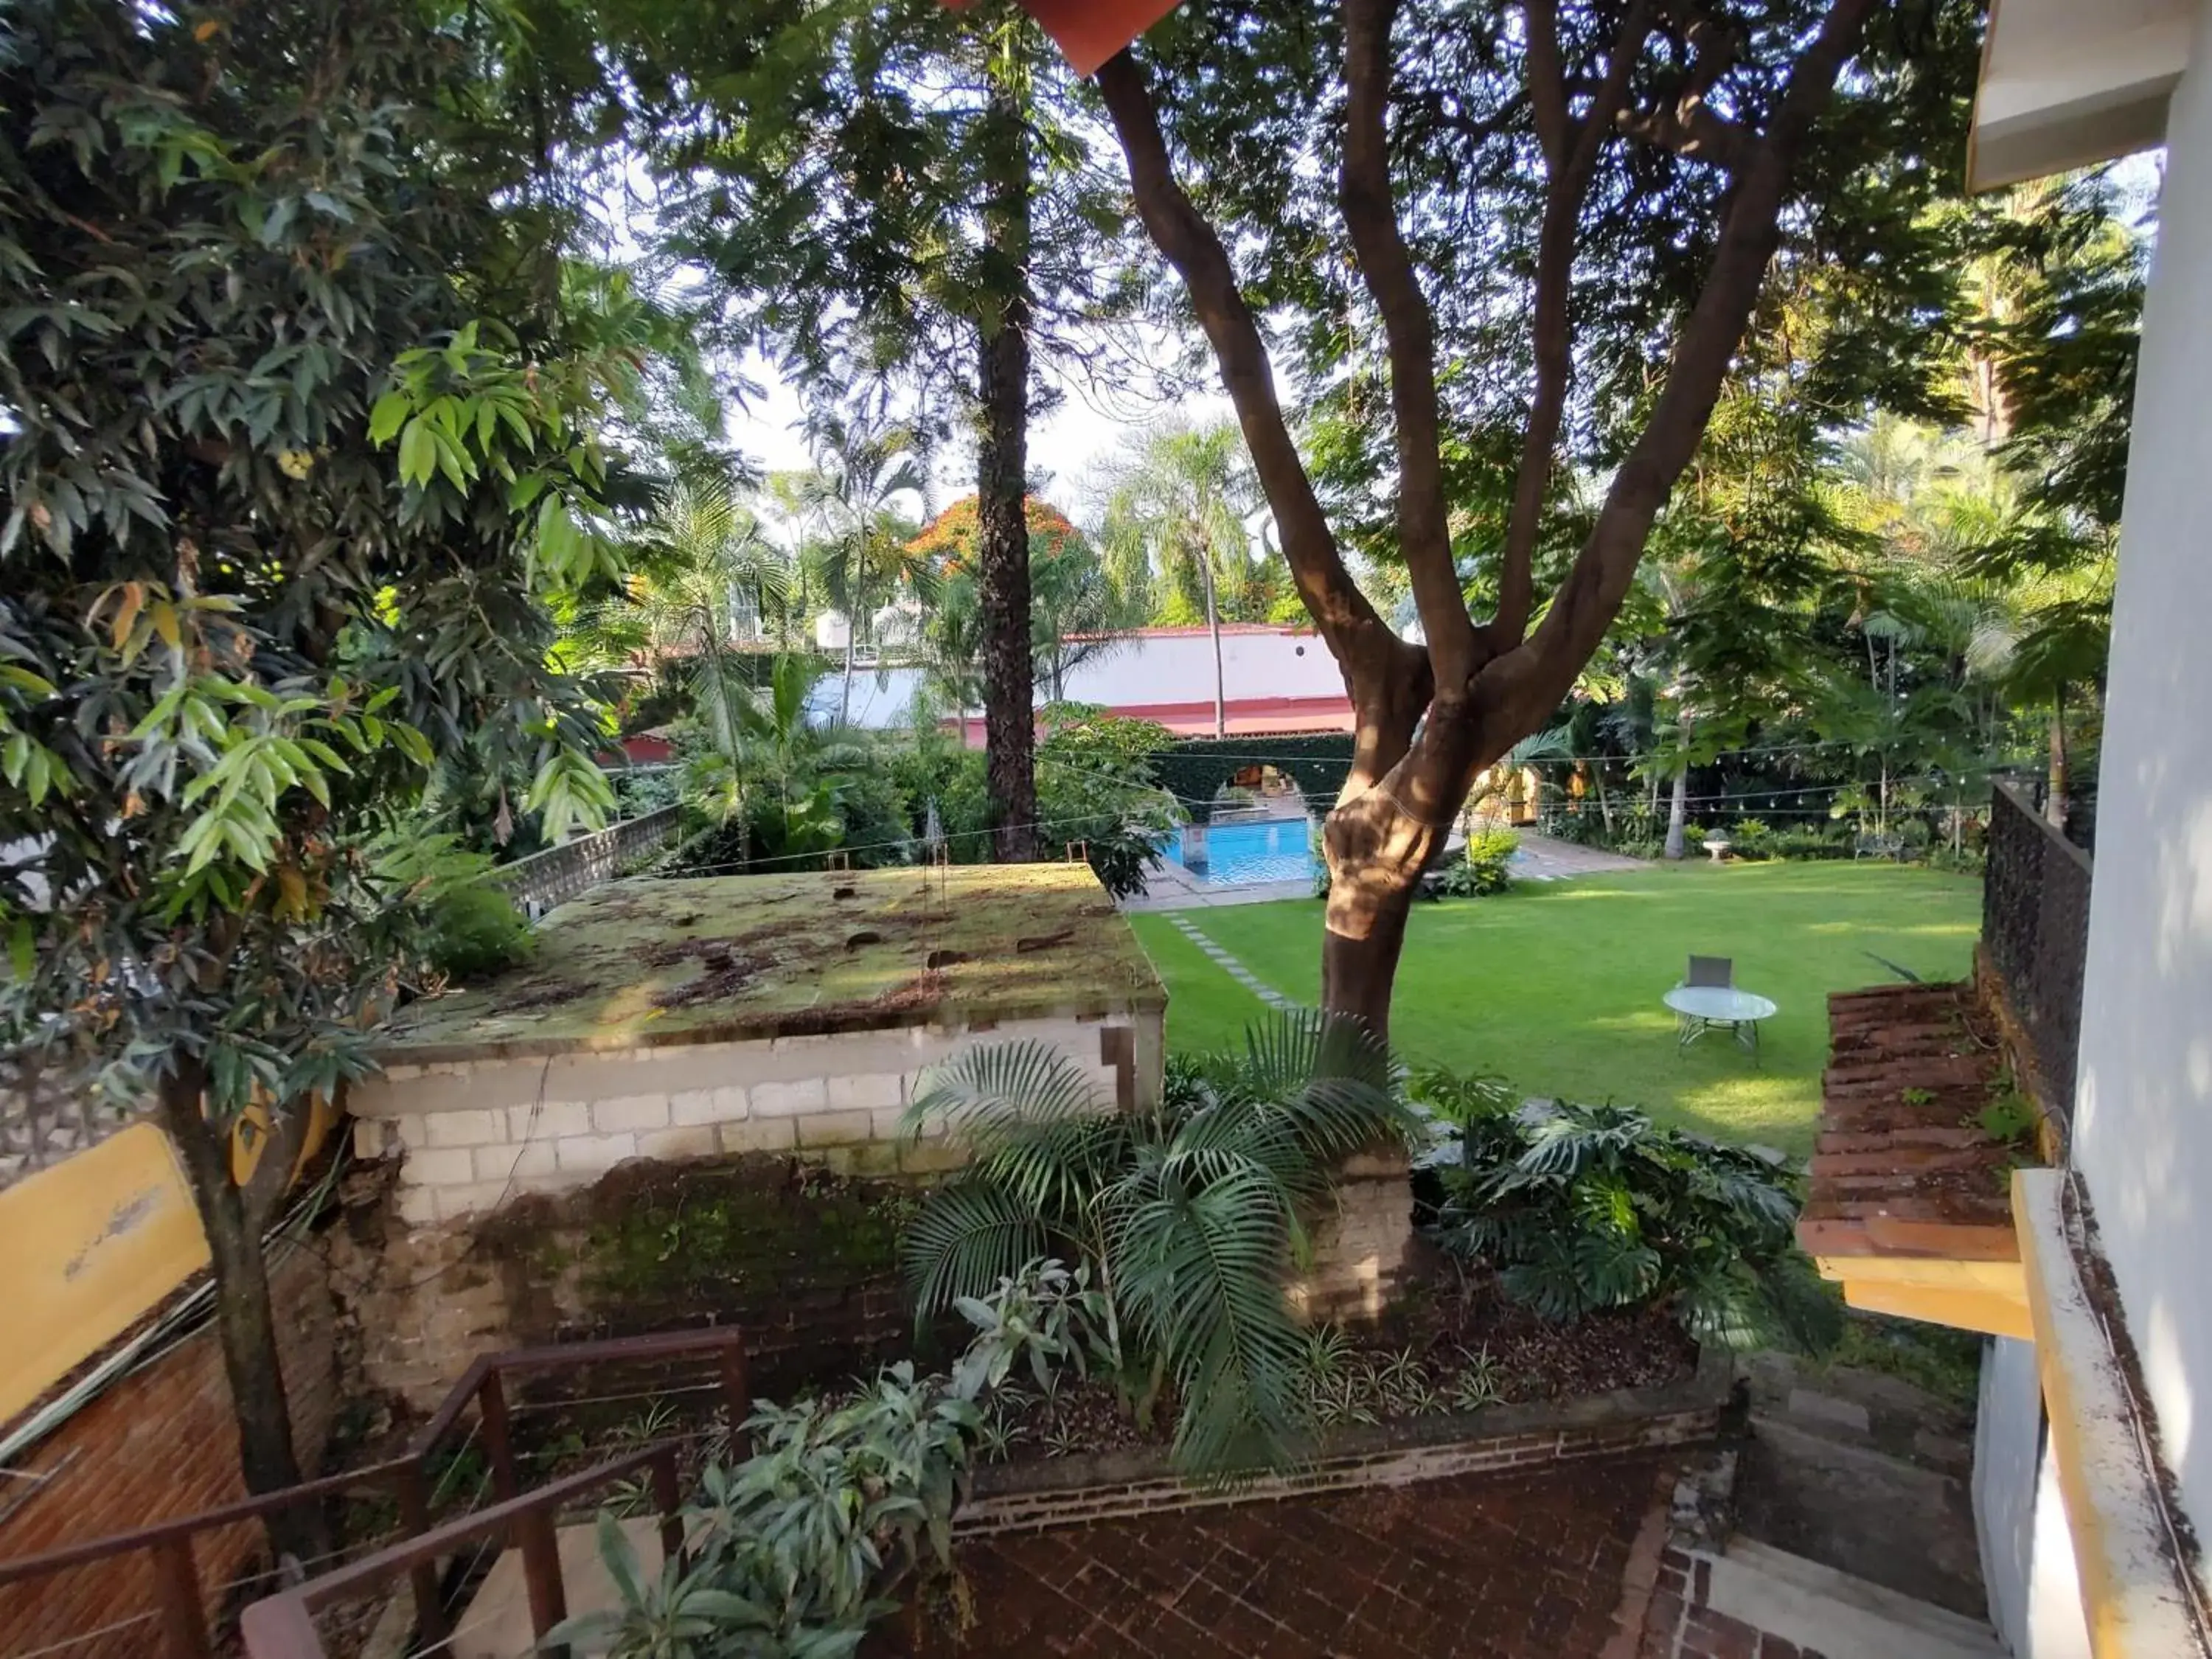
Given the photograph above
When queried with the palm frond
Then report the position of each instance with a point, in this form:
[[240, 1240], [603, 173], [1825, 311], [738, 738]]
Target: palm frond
[[1203, 1281], [967, 1237], [1029, 1081]]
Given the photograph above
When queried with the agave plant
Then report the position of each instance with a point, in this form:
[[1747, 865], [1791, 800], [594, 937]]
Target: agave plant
[[1189, 1213]]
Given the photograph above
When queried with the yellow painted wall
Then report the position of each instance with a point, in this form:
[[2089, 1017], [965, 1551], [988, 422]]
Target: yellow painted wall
[[88, 1248]]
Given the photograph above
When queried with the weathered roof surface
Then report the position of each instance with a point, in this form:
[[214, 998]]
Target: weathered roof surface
[[1902, 1165], [644, 961]]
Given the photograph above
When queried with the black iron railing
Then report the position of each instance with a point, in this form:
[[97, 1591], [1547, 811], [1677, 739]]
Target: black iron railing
[[2035, 931]]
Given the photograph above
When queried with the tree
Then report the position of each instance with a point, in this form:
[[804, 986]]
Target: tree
[[1583, 179], [1178, 514], [863, 470], [1077, 611], [301, 444], [884, 191]]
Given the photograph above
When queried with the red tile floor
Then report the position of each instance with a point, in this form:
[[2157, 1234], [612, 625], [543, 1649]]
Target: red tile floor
[[1557, 1565]]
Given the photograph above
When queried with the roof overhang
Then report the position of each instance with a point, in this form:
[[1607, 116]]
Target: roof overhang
[[1089, 31], [2067, 85]]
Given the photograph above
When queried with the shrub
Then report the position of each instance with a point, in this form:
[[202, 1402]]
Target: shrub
[[1751, 838], [1485, 866], [1187, 1213], [476, 932], [1810, 844], [1641, 847], [793, 1549], [1581, 1208]]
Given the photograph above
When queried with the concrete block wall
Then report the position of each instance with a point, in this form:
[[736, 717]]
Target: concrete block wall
[[1360, 1250], [472, 1134]]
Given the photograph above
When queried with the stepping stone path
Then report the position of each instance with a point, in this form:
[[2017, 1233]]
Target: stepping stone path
[[1229, 964]]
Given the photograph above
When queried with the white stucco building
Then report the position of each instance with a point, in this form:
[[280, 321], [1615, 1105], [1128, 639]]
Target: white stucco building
[[1273, 679], [2096, 1466]]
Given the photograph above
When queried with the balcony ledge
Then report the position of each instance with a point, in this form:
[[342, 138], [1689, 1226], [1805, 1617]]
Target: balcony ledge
[[1908, 1205], [2134, 1592]]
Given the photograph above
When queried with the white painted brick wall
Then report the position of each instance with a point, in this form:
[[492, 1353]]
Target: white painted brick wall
[[478, 1128], [866, 1092], [592, 1154], [630, 1112], [760, 1134], [475, 1135], [549, 1121], [443, 1166], [789, 1099]]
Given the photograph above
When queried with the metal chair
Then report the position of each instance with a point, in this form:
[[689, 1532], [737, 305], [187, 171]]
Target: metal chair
[[1718, 972]]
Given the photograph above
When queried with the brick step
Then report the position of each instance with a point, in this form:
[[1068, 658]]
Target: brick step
[[1834, 1171], [1890, 1117], [1911, 1072], [1893, 1214], [1893, 1004], [1944, 1241], [1841, 1140]]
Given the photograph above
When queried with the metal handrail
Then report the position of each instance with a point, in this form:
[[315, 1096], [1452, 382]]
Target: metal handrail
[[483, 1384], [282, 1625]]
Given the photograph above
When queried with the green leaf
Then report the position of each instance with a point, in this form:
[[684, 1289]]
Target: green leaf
[[418, 452], [387, 416]]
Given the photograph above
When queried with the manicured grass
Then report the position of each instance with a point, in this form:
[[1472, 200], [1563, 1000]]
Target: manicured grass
[[1556, 986]]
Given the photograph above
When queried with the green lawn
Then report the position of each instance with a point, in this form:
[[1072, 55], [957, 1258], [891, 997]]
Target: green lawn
[[1556, 985]]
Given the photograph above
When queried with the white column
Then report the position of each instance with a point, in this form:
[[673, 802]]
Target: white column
[[2143, 1110]]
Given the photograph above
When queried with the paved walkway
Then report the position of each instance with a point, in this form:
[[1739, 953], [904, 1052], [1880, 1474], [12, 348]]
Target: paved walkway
[[1230, 965], [1560, 1566], [1539, 858], [1171, 887]]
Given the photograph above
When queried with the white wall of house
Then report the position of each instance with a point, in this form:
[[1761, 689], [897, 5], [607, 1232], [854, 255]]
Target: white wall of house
[[2027, 1554], [1161, 666], [1178, 667], [2144, 1111]]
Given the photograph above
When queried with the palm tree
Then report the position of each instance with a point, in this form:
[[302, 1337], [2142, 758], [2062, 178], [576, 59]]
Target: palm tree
[[863, 561], [1178, 518], [1189, 1213]]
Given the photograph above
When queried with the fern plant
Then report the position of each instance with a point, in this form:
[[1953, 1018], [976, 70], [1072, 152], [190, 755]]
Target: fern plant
[[1587, 1207], [1188, 1213]]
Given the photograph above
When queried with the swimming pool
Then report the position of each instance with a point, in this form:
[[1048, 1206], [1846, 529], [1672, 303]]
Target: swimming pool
[[1239, 853]]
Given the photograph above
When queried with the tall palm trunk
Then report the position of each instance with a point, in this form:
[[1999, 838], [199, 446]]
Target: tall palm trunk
[[2056, 803], [1213, 627], [1677, 812], [1002, 456]]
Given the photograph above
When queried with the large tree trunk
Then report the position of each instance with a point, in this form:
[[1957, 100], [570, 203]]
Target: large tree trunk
[[245, 1323], [1002, 390]]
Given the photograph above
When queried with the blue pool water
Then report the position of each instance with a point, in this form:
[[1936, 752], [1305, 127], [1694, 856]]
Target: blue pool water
[[1236, 853]]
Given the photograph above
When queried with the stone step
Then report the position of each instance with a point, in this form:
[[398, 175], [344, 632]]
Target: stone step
[[496, 1623], [1824, 1611]]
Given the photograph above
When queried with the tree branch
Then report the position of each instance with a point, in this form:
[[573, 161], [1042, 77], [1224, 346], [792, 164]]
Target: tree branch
[[1371, 656], [1692, 130], [1580, 144], [1369, 212], [1531, 679]]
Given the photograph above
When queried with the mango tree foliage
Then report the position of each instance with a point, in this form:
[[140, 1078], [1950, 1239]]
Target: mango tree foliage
[[297, 444]]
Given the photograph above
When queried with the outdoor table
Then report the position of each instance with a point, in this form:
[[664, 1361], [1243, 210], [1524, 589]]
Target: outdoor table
[[1701, 1008]]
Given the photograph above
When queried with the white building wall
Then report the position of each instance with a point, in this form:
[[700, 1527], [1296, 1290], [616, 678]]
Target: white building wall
[[1179, 668], [2143, 1113], [2027, 1554], [1146, 669]]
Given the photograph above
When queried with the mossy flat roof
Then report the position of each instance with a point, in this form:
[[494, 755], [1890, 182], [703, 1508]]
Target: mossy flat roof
[[644, 961]]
